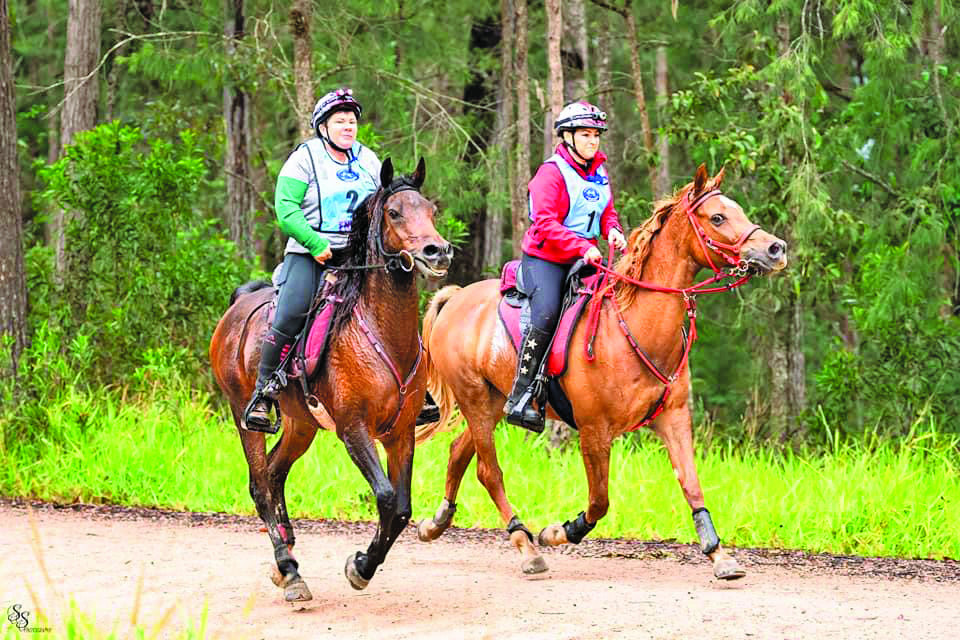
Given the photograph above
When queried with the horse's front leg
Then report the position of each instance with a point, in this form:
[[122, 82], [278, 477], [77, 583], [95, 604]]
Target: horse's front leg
[[361, 566], [595, 449], [674, 426]]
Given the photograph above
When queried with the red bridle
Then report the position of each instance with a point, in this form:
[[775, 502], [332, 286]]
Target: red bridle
[[731, 255], [706, 242]]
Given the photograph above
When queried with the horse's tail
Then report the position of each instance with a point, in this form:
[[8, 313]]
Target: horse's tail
[[441, 392], [248, 287]]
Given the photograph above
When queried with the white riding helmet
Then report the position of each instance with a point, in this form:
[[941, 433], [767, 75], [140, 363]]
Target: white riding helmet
[[580, 115]]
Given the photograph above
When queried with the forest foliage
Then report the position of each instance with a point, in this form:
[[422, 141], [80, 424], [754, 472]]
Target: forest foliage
[[836, 121]]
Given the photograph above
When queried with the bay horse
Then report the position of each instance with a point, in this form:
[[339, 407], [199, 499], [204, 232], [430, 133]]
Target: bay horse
[[639, 317], [371, 385]]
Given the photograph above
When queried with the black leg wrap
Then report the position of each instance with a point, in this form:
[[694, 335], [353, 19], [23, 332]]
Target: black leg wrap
[[285, 562], [579, 528], [709, 540], [516, 525]]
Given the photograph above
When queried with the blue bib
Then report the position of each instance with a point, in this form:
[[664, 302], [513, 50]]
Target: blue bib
[[588, 198]]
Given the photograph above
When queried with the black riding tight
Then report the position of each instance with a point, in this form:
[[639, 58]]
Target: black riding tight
[[299, 279], [543, 282]]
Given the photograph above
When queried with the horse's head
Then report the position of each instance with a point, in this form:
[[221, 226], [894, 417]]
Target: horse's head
[[408, 233], [724, 236]]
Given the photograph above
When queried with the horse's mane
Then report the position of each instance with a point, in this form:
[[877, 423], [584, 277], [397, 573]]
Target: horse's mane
[[640, 243], [362, 249]]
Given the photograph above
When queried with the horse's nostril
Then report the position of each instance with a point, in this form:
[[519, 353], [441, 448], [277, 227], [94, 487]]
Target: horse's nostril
[[775, 249], [431, 251]]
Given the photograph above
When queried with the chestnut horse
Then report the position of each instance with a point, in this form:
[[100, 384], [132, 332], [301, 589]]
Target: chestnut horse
[[640, 313], [370, 385]]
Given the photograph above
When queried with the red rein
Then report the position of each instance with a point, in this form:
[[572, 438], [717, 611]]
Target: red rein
[[689, 297]]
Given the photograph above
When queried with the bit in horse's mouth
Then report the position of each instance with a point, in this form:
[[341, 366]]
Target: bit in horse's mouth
[[429, 271]]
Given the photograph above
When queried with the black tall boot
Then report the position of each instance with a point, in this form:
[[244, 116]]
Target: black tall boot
[[257, 415], [519, 408]]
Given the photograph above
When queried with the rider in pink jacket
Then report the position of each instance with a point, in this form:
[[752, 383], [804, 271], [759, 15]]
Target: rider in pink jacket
[[571, 204]]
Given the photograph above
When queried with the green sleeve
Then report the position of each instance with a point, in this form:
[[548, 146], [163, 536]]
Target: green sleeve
[[289, 195]]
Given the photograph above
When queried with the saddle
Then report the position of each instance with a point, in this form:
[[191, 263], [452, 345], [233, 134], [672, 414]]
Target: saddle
[[514, 311], [303, 359]]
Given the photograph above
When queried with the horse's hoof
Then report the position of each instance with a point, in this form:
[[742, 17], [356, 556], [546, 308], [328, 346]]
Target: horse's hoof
[[728, 569], [534, 566], [427, 530], [552, 535], [296, 591], [357, 581]]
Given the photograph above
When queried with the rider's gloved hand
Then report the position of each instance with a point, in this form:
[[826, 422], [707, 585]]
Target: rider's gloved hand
[[324, 256], [615, 238], [593, 256]]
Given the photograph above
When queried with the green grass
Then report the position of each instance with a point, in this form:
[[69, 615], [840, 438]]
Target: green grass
[[175, 450]]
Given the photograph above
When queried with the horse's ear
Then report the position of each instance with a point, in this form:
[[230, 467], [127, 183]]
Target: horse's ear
[[700, 180], [386, 173], [718, 179], [419, 174]]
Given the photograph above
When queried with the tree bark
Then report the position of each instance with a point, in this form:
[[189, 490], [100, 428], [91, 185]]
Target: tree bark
[[13, 286], [498, 202], [236, 113], [300, 17], [636, 72], [555, 73], [575, 53], [638, 94], [522, 175], [605, 93], [663, 141], [79, 111]]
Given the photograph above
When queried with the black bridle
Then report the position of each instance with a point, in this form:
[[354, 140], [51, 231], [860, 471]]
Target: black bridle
[[401, 260]]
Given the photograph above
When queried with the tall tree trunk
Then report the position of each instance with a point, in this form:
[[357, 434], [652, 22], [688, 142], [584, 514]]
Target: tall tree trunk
[[498, 202], [605, 92], [300, 17], [787, 363], [663, 141], [79, 111], [522, 175], [638, 94], [555, 75], [236, 113], [636, 71], [575, 53], [13, 287]]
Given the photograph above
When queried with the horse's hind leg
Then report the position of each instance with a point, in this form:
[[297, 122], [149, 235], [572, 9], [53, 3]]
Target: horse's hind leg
[[482, 415], [674, 427], [265, 500], [462, 451], [361, 566]]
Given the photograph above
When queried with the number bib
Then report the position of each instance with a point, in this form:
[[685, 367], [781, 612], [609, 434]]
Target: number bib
[[588, 198]]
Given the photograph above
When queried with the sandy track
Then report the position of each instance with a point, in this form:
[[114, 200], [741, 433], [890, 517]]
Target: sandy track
[[465, 585]]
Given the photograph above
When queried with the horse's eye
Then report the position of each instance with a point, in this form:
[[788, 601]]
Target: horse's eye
[[717, 219], [393, 213]]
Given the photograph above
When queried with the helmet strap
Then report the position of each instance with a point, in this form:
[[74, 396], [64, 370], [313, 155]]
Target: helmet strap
[[332, 144], [572, 148]]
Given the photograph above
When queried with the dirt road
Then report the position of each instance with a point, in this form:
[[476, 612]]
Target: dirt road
[[465, 585]]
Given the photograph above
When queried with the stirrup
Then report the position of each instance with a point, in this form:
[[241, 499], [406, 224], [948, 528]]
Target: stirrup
[[259, 421], [522, 413]]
